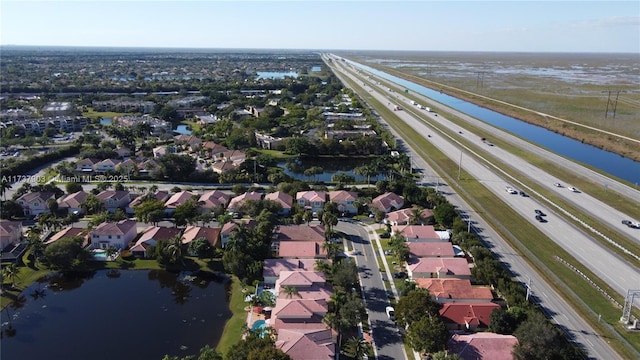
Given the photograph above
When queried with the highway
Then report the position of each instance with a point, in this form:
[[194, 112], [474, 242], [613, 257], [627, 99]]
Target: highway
[[588, 250]]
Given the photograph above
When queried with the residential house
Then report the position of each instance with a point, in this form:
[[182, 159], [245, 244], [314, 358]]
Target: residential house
[[73, 202], [311, 200], [211, 149], [346, 201], [192, 142], [10, 233], [239, 200], [35, 203], [306, 233], [113, 200], [430, 249], [301, 250], [150, 237], [229, 229], [482, 346], [282, 198], [418, 233], [455, 290], [213, 199], [128, 167], [159, 195], [160, 151], [178, 199], [196, 232], [85, 166], [146, 167], [272, 267], [439, 268], [387, 202], [220, 167], [69, 232], [403, 216], [268, 141], [315, 344], [106, 166], [466, 315], [113, 234]]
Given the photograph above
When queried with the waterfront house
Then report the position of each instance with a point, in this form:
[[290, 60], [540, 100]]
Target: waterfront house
[[113, 234]]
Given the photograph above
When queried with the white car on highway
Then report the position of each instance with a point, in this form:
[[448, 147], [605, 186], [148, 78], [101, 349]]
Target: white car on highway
[[572, 189], [391, 313], [511, 190]]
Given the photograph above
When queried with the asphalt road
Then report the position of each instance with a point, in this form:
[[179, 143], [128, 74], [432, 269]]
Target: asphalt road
[[387, 341], [556, 308]]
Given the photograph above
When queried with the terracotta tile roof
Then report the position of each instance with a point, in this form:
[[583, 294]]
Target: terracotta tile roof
[[444, 266], [273, 267], [294, 308], [113, 194], [36, 196], [314, 292], [195, 232], [114, 228], [417, 232], [402, 217], [301, 249], [73, 200], [387, 202], [456, 289], [159, 233], [300, 232], [7, 227], [307, 344], [310, 196], [431, 249], [214, 198], [65, 233], [468, 313], [178, 199], [342, 195], [282, 198], [299, 279], [237, 201], [483, 346]]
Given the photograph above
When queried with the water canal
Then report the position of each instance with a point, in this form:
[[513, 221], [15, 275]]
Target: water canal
[[125, 314], [611, 163]]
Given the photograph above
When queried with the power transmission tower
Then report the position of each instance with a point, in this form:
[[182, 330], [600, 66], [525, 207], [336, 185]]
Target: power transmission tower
[[628, 304], [613, 103]]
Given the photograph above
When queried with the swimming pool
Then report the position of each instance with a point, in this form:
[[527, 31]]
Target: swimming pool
[[99, 254], [260, 326]]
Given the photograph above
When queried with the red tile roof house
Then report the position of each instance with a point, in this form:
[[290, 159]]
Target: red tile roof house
[[455, 290], [314, 233], [214, 198], [114, 199], [387, 202], [239, 200], [72, 202], [294, 313], [106, 165], [307, 344], [176, 200], [439, 268], [430, 249], [192, 233], [35, 203], [467, 316], [117, 235], [311, 200], [150, 237], [282, 198], [86, 165], [482, 346], [272, 267], [418, 233], [302, 281], [10, 233], [211, 149], [346, 201], [69, 232], [228, 229], [222, 166], [159, 195], [402, 217], [301, 250]]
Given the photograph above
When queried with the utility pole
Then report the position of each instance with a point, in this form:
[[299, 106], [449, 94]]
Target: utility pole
[[614, 103], [528, 288]]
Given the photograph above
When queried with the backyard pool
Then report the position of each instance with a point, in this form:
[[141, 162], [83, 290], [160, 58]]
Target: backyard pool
[[261, 326]]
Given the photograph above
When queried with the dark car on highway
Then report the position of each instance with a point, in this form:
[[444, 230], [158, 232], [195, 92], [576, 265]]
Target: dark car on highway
[[540, 219], [539, 213]]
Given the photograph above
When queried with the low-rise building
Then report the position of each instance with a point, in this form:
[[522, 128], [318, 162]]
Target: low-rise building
[[113, 235]]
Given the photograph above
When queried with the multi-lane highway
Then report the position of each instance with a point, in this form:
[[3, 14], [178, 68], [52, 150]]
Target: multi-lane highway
[[619, 273]]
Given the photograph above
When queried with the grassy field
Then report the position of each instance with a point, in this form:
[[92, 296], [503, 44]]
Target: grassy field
[[539, 250], [552, 85], [92, 114]]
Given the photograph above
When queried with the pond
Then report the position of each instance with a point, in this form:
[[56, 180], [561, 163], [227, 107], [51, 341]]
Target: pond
[[276, 74], [182, 129], [112, 314], [330, 166], [106, 121]]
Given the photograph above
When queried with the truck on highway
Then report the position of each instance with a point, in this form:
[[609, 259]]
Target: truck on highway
[[413, 102]]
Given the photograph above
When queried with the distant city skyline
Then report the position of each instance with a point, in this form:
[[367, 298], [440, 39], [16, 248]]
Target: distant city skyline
[[514, 26]]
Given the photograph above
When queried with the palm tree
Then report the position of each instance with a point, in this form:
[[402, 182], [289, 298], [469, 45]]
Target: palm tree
[[290, 291], [356, 348], [10, 272], [416, 217], [174, 250], [4, 186]]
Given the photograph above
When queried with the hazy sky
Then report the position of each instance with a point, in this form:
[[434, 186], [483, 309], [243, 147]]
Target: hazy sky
[[566, 26]]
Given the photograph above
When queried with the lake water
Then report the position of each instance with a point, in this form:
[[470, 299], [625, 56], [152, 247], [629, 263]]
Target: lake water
[[330, 167], [611, 163], [139, 314], [106, 121], [276, 74]]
